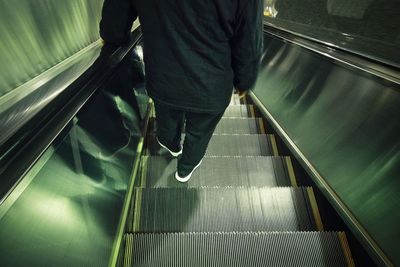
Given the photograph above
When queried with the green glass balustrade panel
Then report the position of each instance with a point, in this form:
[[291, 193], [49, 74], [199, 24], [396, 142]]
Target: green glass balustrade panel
[[66, 211], [36, 35]]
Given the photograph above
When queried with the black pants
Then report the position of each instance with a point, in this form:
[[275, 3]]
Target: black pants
[[199, 129]]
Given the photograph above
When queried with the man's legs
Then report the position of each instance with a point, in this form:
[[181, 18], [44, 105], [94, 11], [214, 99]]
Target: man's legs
[[169, 126], [199, 130]]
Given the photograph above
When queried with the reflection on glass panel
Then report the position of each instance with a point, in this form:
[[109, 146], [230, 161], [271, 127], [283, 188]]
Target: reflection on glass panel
[[68, 214], [367, 27], [66, 210]]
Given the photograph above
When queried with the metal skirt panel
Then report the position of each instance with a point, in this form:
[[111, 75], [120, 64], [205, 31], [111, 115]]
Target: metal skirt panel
[[345, 123]]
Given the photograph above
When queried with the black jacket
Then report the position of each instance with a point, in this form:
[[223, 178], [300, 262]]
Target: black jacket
[[195, 51]]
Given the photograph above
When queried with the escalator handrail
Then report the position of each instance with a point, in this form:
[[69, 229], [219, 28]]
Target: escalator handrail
[[350, 59]]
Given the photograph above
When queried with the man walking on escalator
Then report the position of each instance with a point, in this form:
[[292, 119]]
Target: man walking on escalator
[[195, 53]]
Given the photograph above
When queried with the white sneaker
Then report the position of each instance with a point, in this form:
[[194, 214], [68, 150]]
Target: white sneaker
[[174, 154], [187, 177]]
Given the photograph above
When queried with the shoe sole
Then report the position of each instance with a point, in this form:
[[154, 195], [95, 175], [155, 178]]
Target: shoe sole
[[186, 178], [174, 154]]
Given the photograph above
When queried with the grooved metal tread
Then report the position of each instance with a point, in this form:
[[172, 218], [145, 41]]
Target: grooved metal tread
[[268, 171], [244, 145], [239, 126], [221, 209], [237, 111], [226, 145], [253, 249]]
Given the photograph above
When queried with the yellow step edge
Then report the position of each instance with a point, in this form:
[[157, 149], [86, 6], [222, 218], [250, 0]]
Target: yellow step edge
[[261, 125], [252, 111], [143, 171], [137, 211], [127, 252], [152, 110], [274, 146], [138, 196], [138, 201], [292, 176], [346, 249], [315, 210]]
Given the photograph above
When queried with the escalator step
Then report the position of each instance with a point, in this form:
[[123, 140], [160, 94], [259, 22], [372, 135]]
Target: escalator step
[[243, 145], [238, 126], [318, 249], [225, 145], [217, 171], [239, 111], [222, 209]]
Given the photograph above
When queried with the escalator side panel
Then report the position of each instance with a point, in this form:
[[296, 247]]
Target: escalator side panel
[[342, 123]]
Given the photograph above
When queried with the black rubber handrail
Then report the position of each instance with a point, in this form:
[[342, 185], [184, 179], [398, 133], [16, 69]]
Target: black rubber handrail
[[340, 55]]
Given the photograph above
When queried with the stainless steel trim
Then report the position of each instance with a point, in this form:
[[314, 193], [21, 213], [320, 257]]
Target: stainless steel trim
[[7, 202], [345, 57], [329, 193], [125, 209], [128, 197], [29, 87]]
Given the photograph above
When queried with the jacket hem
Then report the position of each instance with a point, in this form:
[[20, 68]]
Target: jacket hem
[[187, 108]]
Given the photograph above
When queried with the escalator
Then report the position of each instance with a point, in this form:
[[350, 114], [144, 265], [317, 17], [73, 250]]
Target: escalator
[[242, 207], [89, 185]]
